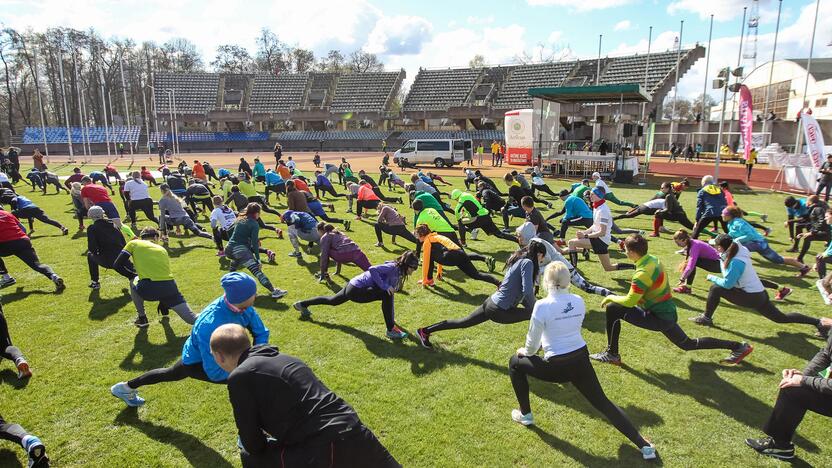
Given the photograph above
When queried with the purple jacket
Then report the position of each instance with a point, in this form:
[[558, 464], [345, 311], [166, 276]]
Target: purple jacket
[[335, 241], [698, 249], [384, 276]]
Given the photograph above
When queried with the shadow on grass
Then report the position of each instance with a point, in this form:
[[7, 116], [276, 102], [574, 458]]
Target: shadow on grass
[[711, 391], [421, 362], [197, 453], [8, 458], [19, 294], [182, 249], [266, 302], [626, 453], [153, 355], [800, 345], [9, 377], [103, 308]]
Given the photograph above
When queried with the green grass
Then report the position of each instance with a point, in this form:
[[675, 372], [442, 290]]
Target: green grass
[[448, 407]]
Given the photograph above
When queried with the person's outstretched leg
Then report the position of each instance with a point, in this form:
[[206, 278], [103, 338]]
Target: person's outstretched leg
[[519, 368], [789, 410], [475, 318], [339, 298], [178, 371]]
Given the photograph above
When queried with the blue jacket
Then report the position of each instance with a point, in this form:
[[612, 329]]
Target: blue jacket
[[576, 208], [710, 201], [742, 232], [322, 181], [223, 172], [273, 178], [197, 348], [315, 207], [300, 219], [23, 202], [798, 211]]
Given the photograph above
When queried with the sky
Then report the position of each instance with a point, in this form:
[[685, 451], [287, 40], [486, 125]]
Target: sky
[[433, 34]]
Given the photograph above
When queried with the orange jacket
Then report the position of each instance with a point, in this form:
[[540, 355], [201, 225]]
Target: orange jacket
[[427, 243]]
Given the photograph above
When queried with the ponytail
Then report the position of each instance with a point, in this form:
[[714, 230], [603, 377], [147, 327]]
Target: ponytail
[[728, 246]]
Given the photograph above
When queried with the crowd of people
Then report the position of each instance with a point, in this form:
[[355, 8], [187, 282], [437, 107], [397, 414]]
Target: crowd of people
[[281, 409]]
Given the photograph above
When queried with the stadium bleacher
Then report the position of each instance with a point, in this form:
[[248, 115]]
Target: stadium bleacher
[[365, 91], [515, 91], [211, 136], [437, 90], [332, 135], [119, 134], [441, 134], [280, 93], [195, 93]]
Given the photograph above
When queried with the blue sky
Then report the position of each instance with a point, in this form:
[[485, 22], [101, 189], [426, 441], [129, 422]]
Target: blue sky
[[408, 34]]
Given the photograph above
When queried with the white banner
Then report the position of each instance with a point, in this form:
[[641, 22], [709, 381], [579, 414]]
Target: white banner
[[814, 139]]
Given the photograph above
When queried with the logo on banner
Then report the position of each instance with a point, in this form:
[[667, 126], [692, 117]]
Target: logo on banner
[[746, 120], [814, 139]]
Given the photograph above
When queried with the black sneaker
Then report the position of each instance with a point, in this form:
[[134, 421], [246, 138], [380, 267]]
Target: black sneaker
[[95, 285], [7, 282], [766, 446], [141, 322], [424, 338], [305, 314], [738, 354], [37, 456], [59, 283], [702, 319], [606, 356], [491, 262]]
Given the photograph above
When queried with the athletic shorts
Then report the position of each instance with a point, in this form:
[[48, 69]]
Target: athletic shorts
[[599, 247], [165, 292], [109, 209]]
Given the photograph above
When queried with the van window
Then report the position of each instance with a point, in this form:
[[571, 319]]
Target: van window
[[459, 145], [409, 147], [434, 146]]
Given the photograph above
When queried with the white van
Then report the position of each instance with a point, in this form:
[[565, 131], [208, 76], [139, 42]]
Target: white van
[[437, 152]]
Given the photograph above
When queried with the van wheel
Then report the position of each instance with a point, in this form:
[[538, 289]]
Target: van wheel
[[438, 162]]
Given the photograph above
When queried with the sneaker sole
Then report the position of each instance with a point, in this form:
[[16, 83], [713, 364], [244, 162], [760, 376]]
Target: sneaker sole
[[740, 358], [23, 371], [278, 296], [422, 341], [523, 423], [126, 402]]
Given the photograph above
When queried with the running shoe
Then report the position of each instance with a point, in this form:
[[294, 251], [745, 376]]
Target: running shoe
[[279, 233], [586, 255], [278, 293], [767, 232], [766, 446], [560, 242], [475, 233], [702, 319], [683, 289], [426, 283], [524, 419], [424, 338], [141, 322], [358, 218], [804, 271], [653, 234], [648, 452], [379, 244], [270, 255], [23, 370], [347, 225], [64, 231], [823, 331], [764, 217], [36, 452], [791, 249], [826, 299], [305, 314], [128, 395], [59, 283], [606, 356], [621, 244], [492, 263], [739, 354], [332, 208], [396, 333], [782, 293], [220, 253], [95, 285], [295, 254], [680, 251]]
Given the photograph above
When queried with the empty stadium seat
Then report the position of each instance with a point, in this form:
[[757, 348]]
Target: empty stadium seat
[[118, 134]]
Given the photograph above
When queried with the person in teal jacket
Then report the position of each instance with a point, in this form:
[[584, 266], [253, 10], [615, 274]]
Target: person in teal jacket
[[234, 306], [745, 234], [259, 171], [575, 212]]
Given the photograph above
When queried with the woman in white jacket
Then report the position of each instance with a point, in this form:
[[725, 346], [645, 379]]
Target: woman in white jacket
[[556, 326]]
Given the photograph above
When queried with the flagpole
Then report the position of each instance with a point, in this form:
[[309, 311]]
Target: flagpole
[[707, 67], [808, 72], [676, 82], [596, 127], [739, 62], [647, 70], [771, 70]]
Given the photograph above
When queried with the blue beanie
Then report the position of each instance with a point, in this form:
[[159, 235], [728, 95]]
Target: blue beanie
[[599, 192], [238, 287]]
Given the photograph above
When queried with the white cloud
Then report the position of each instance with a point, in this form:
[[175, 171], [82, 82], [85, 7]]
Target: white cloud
[[586, 5], [554, 37], [724, 10], [622, 25], [398, 35]]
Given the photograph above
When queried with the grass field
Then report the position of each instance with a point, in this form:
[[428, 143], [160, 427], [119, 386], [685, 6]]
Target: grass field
[[448, 407]]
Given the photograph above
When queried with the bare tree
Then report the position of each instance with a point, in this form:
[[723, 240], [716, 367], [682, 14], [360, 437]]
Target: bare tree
[[334, 62], [232, 58], [269, 55], [477, 61], [363, 62], [302, 60]]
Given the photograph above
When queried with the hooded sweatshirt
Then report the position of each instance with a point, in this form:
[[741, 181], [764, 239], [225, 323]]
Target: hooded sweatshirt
[[427, 245], [710, 201], [739, 273]]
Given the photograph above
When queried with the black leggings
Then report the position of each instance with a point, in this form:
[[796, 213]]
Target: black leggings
[[277, 189], [94, 261], [807, 242], [145, 205], [792, 404], [637, 211], [564, 225], [450, 235], [461, 260], [22, 249], [543, 188], [397, 230], [328, 189], [360, 296], [648, 321], [206, 203], [12, 432], [487, 311], [757, 301], [366, 204], [378, 193], [703, 222], [263, 204], [487, 225], [32, 213], [178, 371], [679, 217], [573, 367], [7, 350]]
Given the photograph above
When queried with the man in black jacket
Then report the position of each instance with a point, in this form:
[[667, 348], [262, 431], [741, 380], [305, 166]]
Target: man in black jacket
[[810, 390], [104, 242], [285, 415], [817, 229]]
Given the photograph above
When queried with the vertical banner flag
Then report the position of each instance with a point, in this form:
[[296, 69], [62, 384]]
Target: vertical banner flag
[[648, 145], [746, 120], [814, 139]]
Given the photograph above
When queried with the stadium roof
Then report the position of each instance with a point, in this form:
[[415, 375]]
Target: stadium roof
[[821, 67], [629, 92]]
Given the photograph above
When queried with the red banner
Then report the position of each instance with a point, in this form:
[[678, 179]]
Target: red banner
[[746, 120]]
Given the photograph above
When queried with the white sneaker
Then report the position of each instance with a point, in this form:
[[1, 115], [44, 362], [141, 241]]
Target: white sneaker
[[278, 293], [648, 452], [524, 419], [823, 295], [680, 251], [475, 233]]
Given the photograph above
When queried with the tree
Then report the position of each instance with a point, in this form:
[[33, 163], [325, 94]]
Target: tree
[[684, 109], [232, 58], [302, 60], [181, 55], [334, 62], [698, 108], [477, 61], [269, 55], [363, 62]]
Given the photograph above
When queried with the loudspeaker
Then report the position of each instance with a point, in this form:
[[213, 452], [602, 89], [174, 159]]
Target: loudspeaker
[[641, 130], [623, 177], [628, 130]]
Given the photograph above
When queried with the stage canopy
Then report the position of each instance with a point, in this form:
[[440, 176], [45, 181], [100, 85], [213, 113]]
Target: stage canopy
[[614, 93]]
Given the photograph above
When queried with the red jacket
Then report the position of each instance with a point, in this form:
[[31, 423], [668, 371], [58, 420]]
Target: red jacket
[[365, 193], [10, 228]]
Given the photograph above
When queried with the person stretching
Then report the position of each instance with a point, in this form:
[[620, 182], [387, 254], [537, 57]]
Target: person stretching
[[172, 213], [555, 326], [817, 229], [104, 243], [12, 352], [575, 212], [367, 198], [740, 286], [439, 249], [470, 215], [236, 306], [274, 183], [502, 306], [243, 248], [322, 184], [340, 248], [222, 223], [139, 199], [649, 208], [93, 194], [533, 216], [800, 391], [154, 280], [14, 241], [22, 207], [284, 415], [378, 283], [608, 195], [699, 254], [246, 187], [598, 236], [710, 201], [672, 211], [302, 226], [746, 235], [649, 305], [435, 221], [33, 446], [391, 222]]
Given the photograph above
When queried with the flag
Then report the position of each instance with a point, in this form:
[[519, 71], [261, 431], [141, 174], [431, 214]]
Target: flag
[[814, 139], [746, 120]]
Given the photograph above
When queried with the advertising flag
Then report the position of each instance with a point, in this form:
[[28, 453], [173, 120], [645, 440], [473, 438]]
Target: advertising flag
[[746, 120], [814, 139]]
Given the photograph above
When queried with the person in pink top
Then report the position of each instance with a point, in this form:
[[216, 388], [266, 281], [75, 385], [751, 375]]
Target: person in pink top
[[700, 254], [366, 198]]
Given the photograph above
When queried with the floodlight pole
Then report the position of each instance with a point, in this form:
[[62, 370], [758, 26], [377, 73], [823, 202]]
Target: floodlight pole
[[808, 72], [771, 69], [739, 62], [40, 103], [597, 82], [676, 81], [104, 109], [63, 97], [646, 71]]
